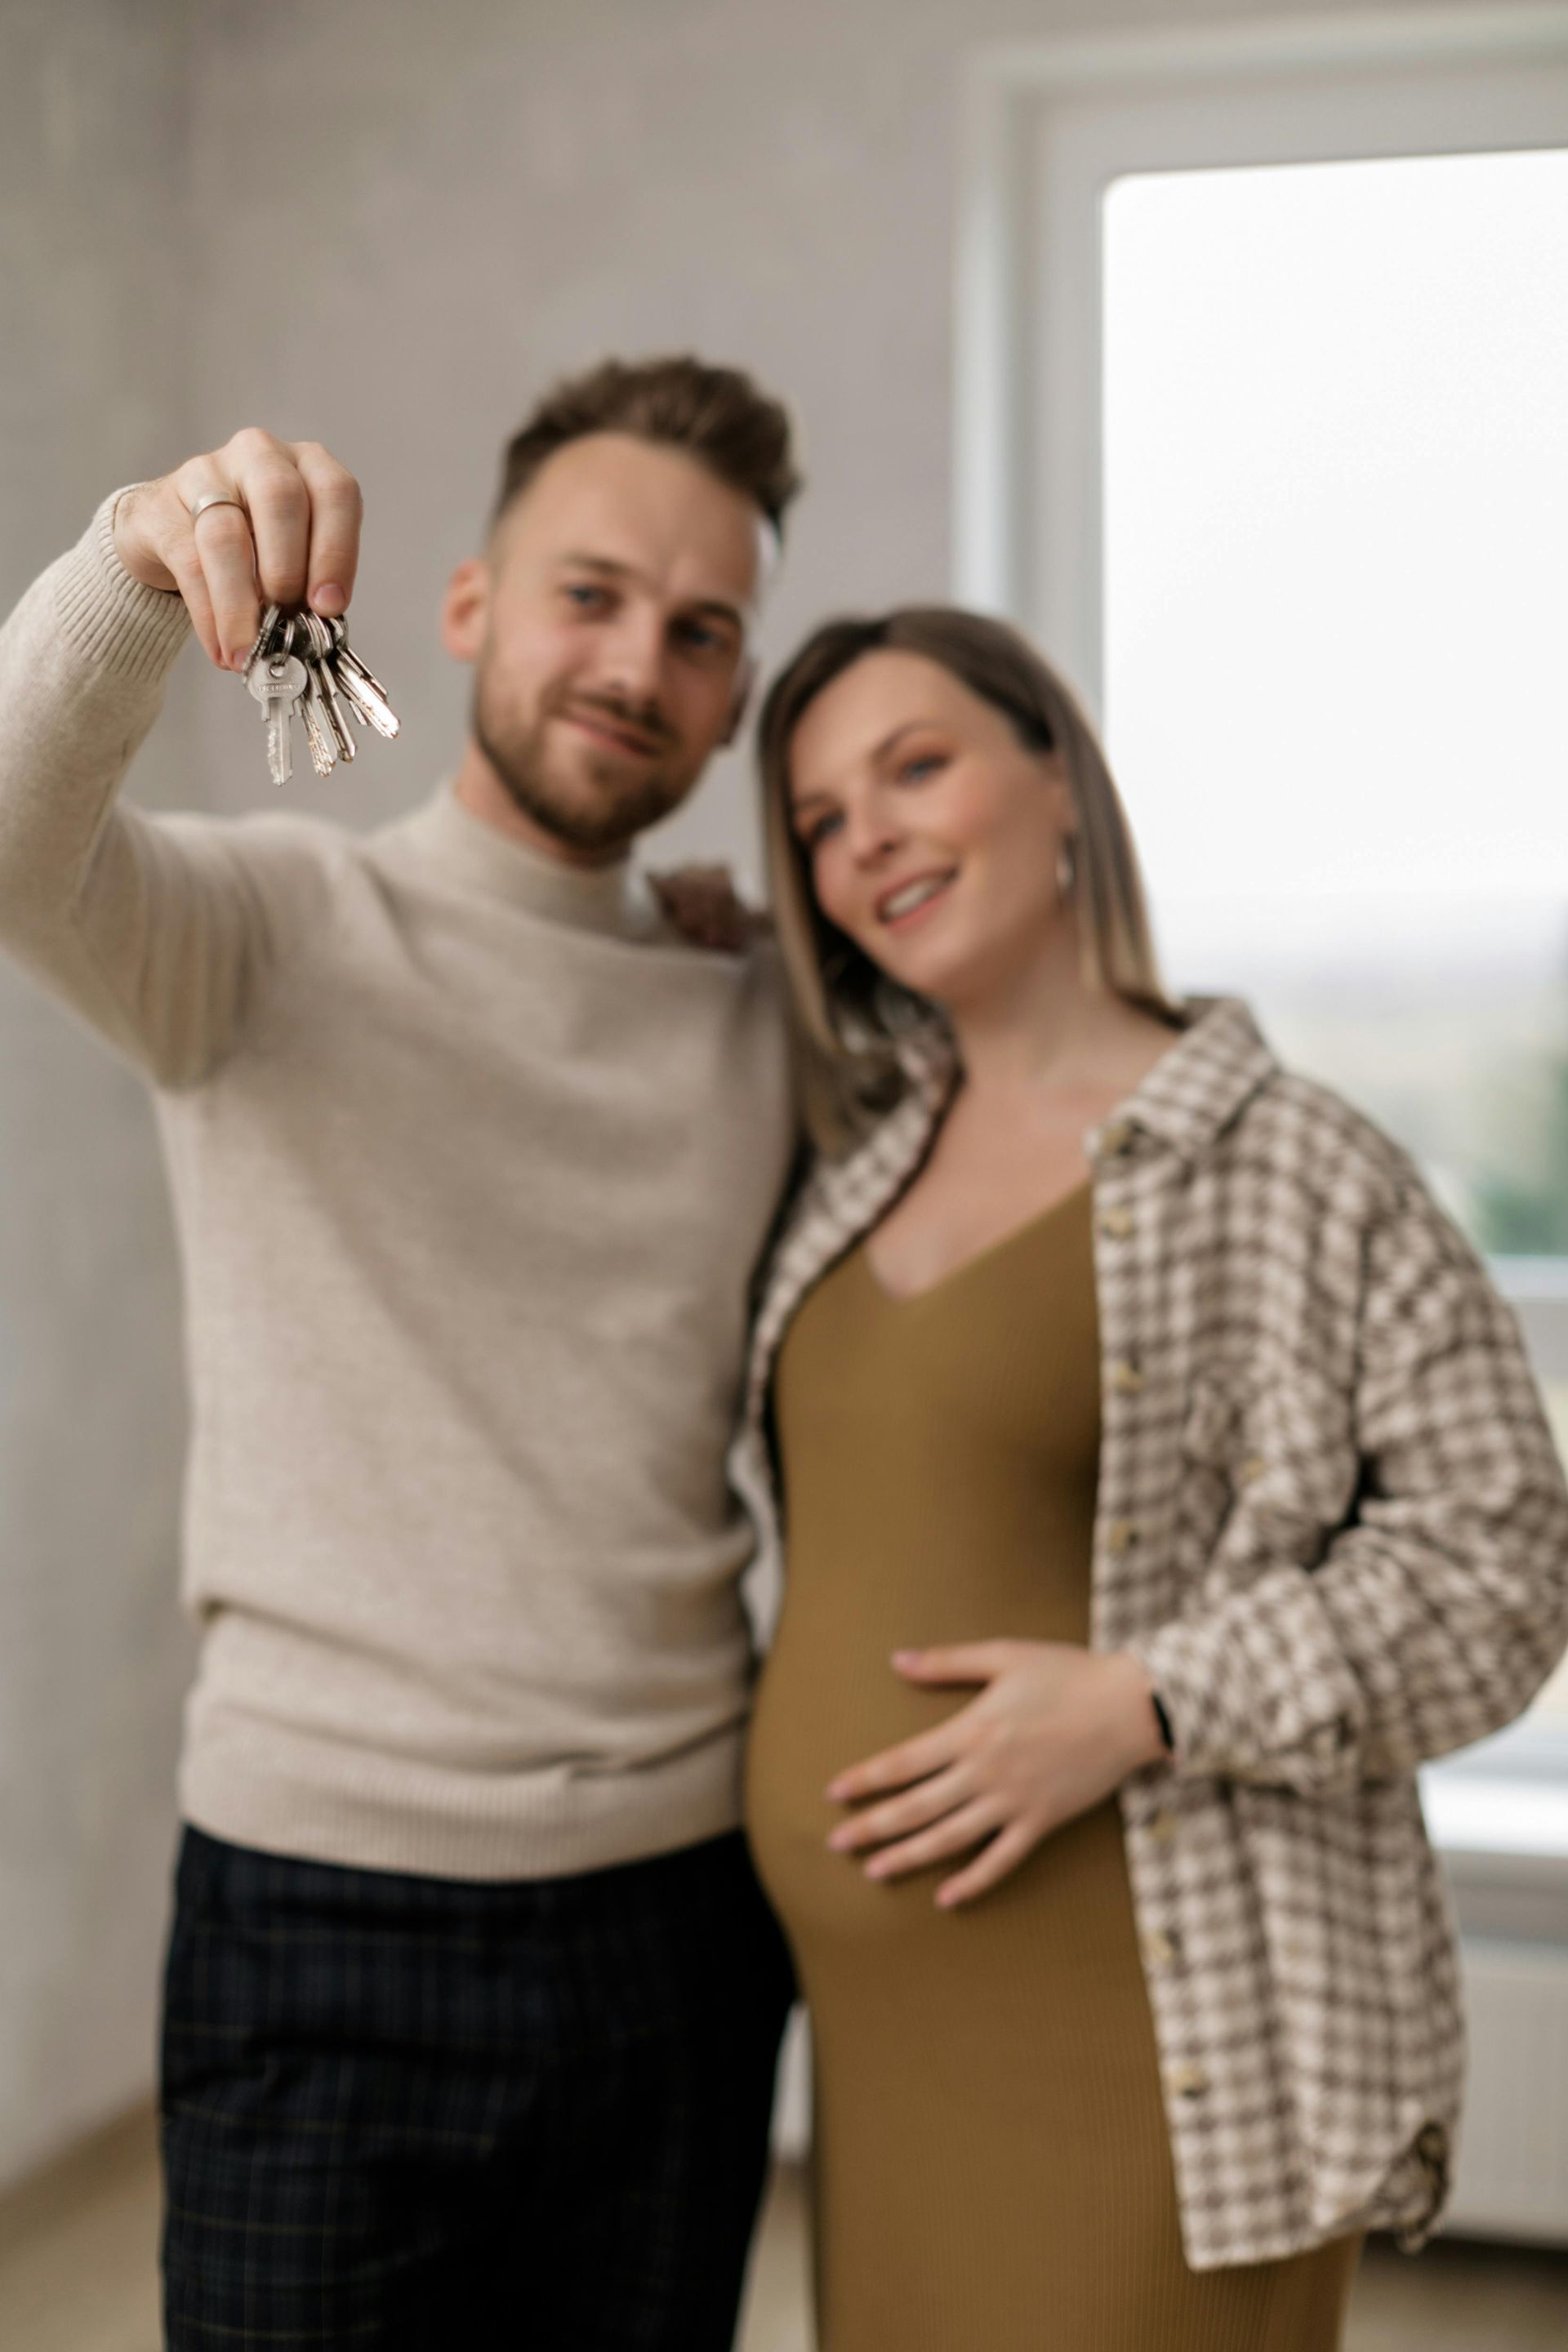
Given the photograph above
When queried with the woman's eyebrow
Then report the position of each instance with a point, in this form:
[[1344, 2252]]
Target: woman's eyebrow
[[909, 727], [879, 752]]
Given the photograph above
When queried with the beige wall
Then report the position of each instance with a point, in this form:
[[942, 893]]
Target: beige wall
[[381, 224], [93, 233]]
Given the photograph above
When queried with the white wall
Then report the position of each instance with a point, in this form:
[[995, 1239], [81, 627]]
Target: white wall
[[382, 224]]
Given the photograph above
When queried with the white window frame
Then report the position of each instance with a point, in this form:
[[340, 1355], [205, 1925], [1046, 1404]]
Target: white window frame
[[1047, 128]]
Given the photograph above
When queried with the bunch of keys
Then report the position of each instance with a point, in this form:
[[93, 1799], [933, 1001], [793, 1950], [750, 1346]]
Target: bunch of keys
[[301, 662]]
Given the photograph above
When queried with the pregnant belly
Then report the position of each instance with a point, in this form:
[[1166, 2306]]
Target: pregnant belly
[[829, 1696], [824, 1704]]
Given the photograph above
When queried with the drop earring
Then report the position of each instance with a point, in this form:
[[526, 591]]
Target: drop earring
[[1067, 864]]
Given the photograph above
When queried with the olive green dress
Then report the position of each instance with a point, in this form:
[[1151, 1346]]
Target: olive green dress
[[993, 2169]]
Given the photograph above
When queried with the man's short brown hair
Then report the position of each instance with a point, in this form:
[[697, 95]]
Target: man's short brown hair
[[717, 414]]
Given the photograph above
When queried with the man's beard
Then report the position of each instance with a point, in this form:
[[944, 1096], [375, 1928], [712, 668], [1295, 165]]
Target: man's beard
[[615, 809]]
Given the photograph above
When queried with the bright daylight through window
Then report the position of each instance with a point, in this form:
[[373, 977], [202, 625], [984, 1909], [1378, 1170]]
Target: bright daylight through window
[[1336, 634]]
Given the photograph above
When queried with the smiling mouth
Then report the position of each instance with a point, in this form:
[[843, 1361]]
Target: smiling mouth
[[901, 906], [617, 739]]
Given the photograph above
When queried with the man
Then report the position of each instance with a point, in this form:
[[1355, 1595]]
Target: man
[[472, 2003]]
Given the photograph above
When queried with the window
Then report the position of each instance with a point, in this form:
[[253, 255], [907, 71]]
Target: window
[[1336, 637]]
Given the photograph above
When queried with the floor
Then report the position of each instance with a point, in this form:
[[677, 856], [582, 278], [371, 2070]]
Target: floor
[[77, 2273]]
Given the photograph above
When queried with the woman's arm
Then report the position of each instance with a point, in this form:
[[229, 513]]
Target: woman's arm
[[1435, 1615]]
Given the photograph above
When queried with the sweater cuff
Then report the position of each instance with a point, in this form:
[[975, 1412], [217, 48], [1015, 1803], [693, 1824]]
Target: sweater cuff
[[113, 621]]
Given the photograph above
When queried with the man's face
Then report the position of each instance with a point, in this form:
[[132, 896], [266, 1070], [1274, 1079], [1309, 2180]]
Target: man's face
[[608, 624]]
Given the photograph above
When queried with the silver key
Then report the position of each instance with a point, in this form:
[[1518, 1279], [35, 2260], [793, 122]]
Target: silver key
[[318, 734], [278, 682], [346, 653], [360, 687], [366, 701], [323, 650], [270, 620]]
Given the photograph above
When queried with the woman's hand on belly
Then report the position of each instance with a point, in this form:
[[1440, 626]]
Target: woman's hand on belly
[[1052, 1733]]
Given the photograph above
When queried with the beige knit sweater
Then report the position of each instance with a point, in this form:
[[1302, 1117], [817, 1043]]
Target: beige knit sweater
[[472, 1164]]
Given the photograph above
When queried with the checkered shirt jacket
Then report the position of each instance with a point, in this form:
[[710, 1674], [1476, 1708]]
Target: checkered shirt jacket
[[1331, 1522]]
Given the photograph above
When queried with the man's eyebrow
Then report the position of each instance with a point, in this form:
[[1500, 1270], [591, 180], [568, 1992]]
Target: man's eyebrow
[[581, 561], [609, 568]]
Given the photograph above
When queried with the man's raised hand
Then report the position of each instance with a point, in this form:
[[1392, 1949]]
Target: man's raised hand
[[290, 537]]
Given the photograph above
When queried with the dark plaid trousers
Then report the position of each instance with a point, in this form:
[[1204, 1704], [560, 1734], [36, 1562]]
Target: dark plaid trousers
[[441, 2117]]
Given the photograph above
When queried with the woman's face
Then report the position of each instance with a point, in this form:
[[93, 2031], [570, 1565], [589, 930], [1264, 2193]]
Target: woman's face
[[931, 832]]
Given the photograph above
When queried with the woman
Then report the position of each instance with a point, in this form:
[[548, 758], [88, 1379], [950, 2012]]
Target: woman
[[1164, 1482]]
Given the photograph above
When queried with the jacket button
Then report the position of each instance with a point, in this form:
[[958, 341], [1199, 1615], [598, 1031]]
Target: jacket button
[[1116, 1223], [1126, 1379], [1252, 1469], [1163, 1826], [1115, 1135], [1121, 1535], [1160, 1949], [1188, 2081]]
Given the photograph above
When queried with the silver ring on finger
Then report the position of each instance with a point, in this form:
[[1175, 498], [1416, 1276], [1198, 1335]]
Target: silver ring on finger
[[195, 506]]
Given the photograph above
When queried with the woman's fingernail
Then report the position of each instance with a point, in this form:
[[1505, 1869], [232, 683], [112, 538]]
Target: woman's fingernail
[[327, 597]]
